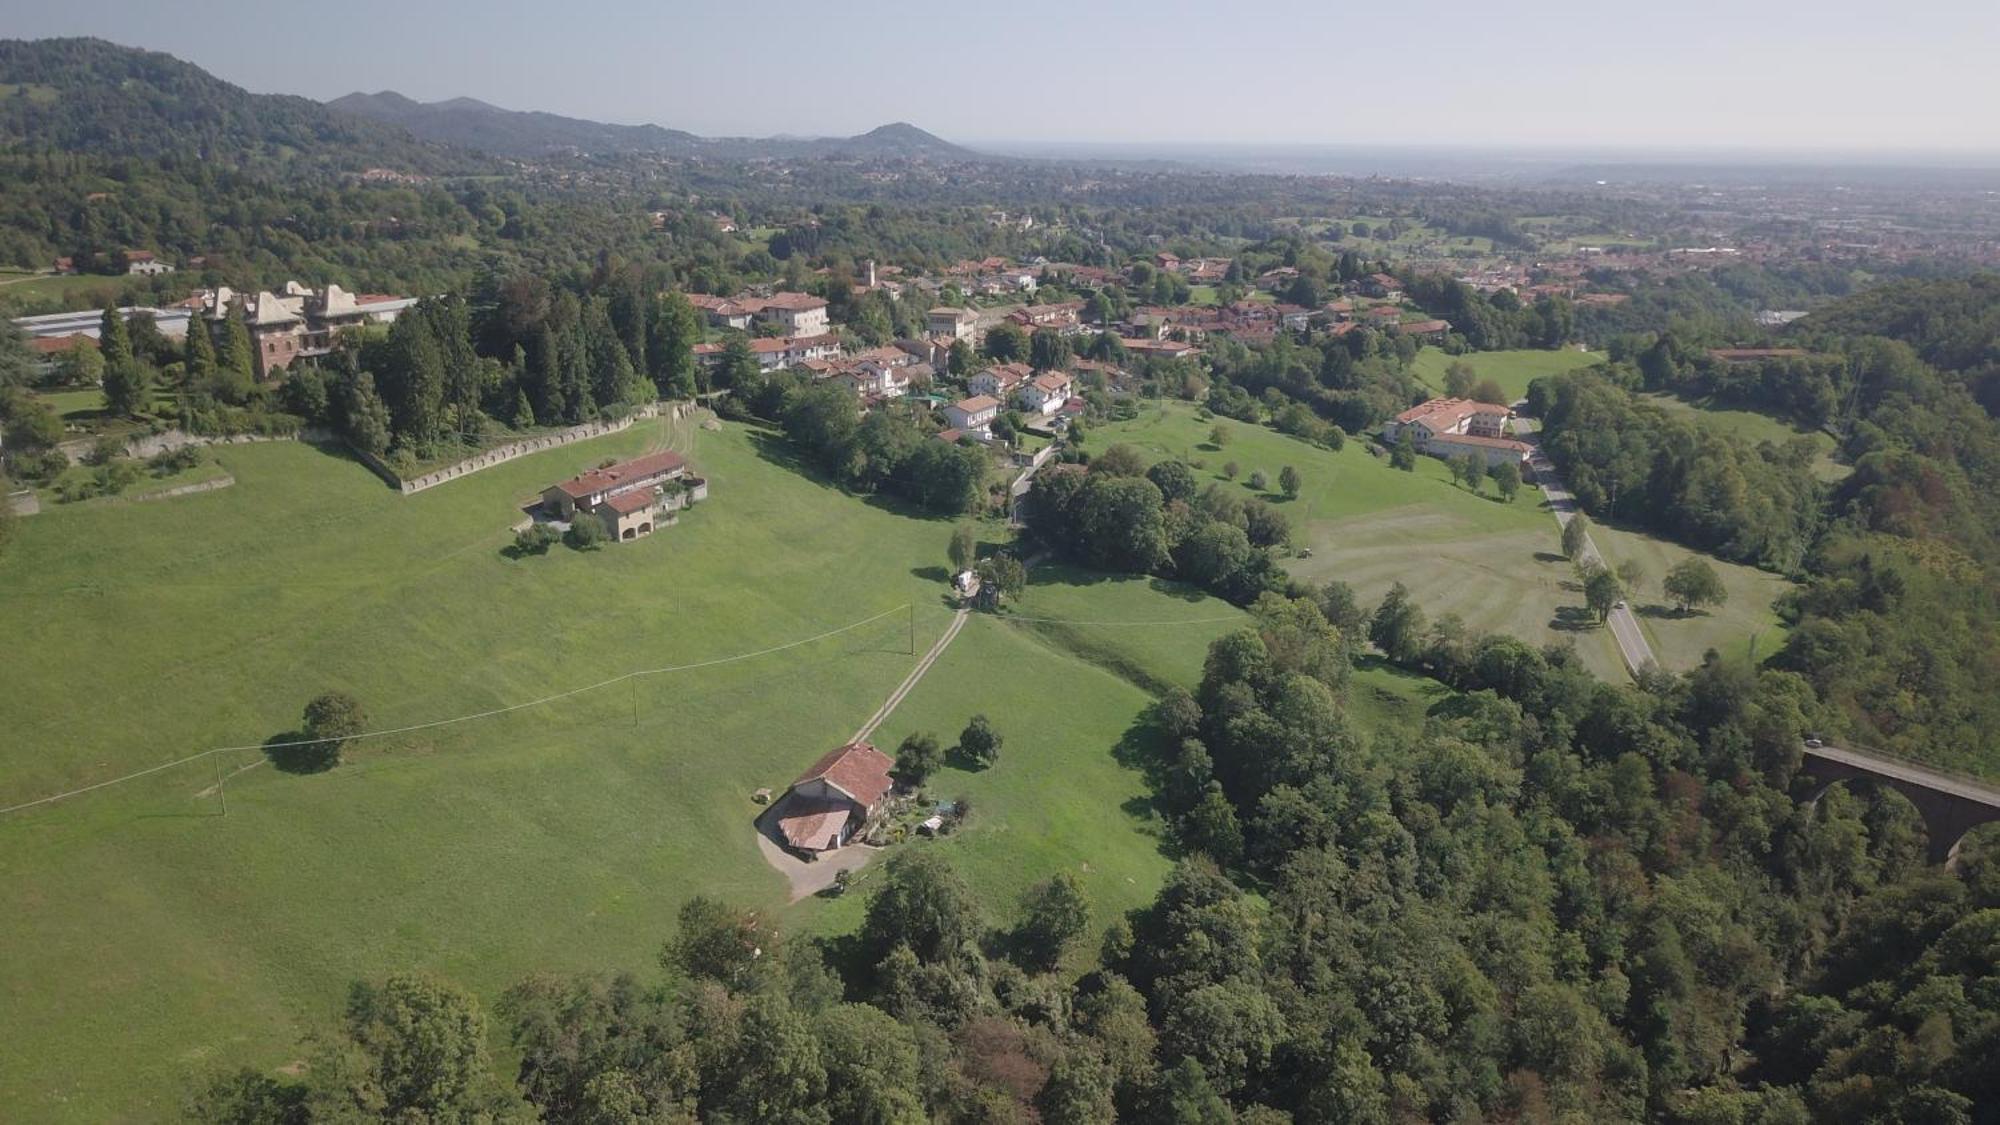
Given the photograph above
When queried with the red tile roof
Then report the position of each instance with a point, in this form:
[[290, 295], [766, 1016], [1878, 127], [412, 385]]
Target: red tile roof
[[1444, 413], [813, 826], [626, 503], [56, 345], [856, 769], [625, 473], [793, 302]]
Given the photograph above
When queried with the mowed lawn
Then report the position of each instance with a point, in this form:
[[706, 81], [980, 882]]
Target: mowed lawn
[[1745, 624], [150, 938], [1495, 565], [1513, 370]]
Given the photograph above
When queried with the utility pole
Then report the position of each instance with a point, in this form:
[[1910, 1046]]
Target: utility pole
[[912, 606], [221, 792]]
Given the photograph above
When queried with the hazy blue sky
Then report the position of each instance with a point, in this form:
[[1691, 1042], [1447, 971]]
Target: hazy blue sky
[[1794, 74]]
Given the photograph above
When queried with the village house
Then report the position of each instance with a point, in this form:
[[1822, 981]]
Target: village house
[[1431, 330], [1064, 317], [145, 263], [1045, 393], [999, 381], [953, 324], [799, 314], [49, 350], [775, 353], [833, 800], [721, 312], [1382, 287], [972, 415], [1452, 427], [1162, 349], [630, 498]]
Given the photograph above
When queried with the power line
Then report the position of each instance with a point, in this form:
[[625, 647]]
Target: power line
[[434, 723]]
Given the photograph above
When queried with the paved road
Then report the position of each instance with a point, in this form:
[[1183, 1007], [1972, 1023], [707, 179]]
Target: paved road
[[1632, 644]]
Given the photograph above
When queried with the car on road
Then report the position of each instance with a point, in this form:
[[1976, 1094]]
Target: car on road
[[1814, 741]]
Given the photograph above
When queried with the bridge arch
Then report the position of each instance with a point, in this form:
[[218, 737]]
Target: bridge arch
[[1948, 810]]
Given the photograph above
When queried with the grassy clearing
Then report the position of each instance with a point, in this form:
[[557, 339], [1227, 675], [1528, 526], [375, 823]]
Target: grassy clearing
[[1513, 370], [1747, 619], [78, 407], [54, 292], [156, 937], [1755, 427], [147, 485], [1494, 565]]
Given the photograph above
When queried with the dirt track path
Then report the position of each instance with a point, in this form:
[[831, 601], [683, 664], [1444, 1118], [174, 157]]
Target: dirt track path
[[889, 705]]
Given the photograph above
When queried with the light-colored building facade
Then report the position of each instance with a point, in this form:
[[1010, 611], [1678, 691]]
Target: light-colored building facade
[[953, 323], [972, 415]]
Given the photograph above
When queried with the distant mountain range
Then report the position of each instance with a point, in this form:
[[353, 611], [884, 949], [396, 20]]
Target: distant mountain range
[[92, 96], [470, 123]]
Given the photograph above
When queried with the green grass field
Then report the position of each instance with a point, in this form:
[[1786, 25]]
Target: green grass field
[[1747, 619], [53, 292], [1754, 427], [78, 406], [1513, 370], [1493, 564], [153, 937]]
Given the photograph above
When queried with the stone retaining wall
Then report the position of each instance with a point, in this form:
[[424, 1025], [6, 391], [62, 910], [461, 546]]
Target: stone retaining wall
[[500, 455]]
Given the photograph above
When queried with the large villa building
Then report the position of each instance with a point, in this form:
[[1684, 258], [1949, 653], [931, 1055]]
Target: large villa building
[[1453, 427], [631, 498], [798, 314]]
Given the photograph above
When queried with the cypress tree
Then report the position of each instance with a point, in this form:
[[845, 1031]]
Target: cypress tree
[[114, 339], [198, 354], [674, 332]]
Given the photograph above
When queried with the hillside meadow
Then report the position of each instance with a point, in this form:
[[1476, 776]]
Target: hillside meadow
[[1512, 370], [1495, 565], [160, 930]]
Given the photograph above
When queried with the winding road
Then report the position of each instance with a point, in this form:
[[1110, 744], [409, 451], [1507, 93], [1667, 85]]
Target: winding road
[[1632, 643]]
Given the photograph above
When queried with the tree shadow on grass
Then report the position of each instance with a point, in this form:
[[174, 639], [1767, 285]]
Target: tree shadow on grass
[[771, 446], [1179, 591], [1574, 619], [1670, 613], [287, 757], [1549, 557]]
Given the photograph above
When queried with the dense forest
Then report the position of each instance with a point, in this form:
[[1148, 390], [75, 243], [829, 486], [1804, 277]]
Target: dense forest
[[1896, 620]]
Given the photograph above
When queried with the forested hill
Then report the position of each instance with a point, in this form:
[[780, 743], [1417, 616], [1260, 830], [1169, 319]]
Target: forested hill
[[90, 97], [471, 123], [489, 128], [1954, 324]]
